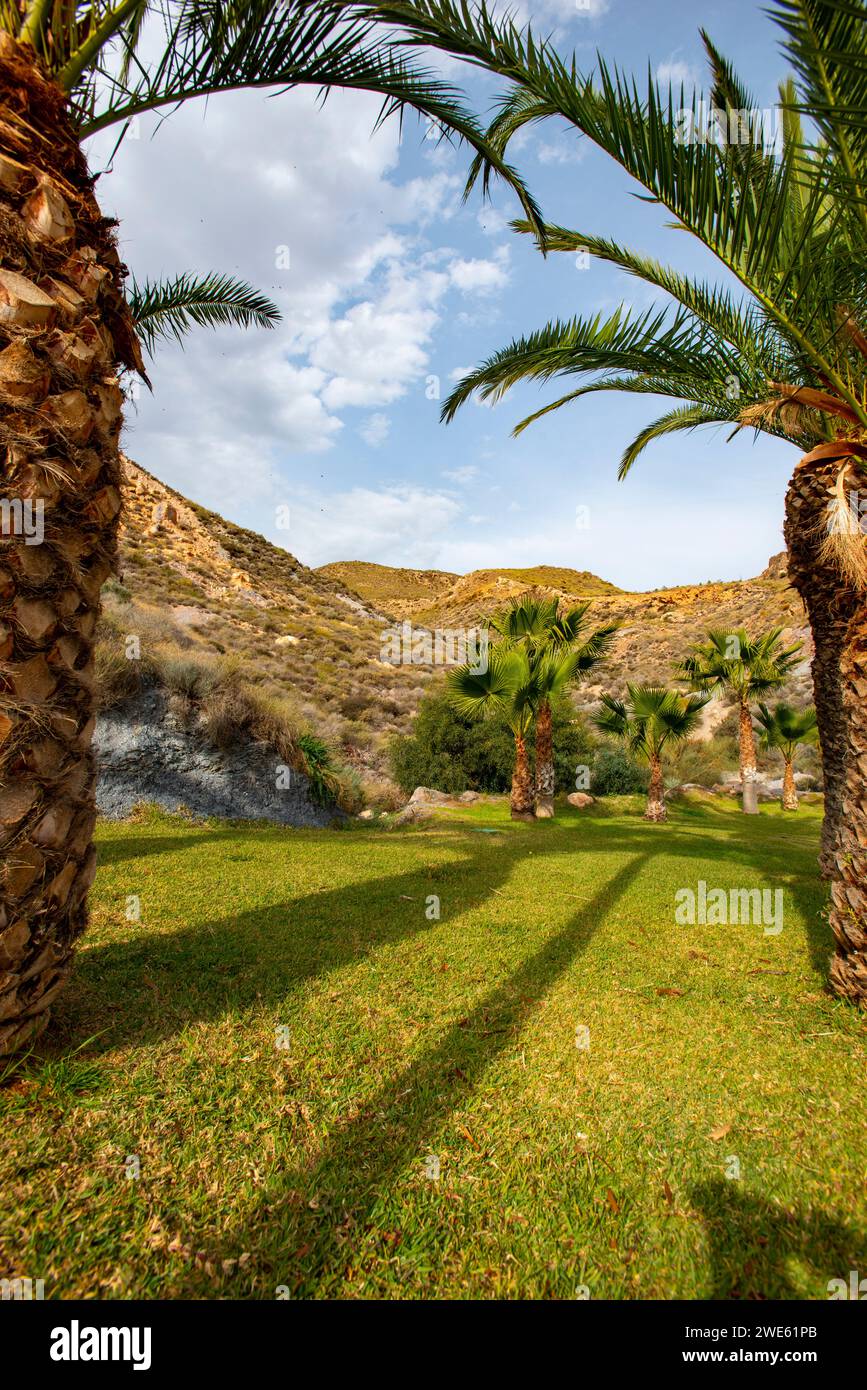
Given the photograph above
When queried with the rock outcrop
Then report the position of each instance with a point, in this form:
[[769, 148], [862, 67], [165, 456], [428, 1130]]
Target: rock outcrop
[[146, 753]]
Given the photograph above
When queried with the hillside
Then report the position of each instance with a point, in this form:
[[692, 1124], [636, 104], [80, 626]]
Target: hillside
[[193, 583], [397, 592], [426, 595], [655, 627], [191, 580]]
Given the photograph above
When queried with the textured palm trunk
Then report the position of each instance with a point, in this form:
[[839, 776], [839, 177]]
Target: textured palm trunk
[[656, 810], [64, 331], [521, 803], [838, 618], [544, 762], [790, 793], [748, 762]]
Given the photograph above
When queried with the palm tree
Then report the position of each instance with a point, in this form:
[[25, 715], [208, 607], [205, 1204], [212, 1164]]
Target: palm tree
[[784, 351], [509, 686], [650, 718], [785, 728], [537, 624], [67, 333], [734, 663]]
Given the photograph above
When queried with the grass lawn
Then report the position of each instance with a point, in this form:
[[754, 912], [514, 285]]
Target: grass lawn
[[410, 1039]]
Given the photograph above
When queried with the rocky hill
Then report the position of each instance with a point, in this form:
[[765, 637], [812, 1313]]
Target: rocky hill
[[655, 628], [437, 597], [195, 585]]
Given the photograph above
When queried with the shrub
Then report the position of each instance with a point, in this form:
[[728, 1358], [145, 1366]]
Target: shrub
[[192, 679], [117, 678], [614, 773], [453, 753]]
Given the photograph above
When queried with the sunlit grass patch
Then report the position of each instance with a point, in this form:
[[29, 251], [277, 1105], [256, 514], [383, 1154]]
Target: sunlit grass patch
[[305, 1026]]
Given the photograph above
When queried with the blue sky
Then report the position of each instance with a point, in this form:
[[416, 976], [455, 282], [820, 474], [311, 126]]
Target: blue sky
[[391, 281]]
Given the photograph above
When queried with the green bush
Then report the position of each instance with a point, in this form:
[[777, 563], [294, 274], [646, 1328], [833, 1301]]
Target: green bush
[[614, 773], [452, 753]]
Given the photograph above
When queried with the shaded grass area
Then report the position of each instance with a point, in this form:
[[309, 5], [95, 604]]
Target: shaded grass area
[[290, 1041]]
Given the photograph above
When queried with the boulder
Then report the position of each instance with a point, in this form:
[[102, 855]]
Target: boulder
[[365, 815], [673, 793], [468, 797], [411, 815], [580, 799], [429, 796]]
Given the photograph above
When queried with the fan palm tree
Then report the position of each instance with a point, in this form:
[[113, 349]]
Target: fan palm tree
[[537, 624], [67, 333], [648, 720], [780, 345], [734, 663], [786, 728], [510, 686]]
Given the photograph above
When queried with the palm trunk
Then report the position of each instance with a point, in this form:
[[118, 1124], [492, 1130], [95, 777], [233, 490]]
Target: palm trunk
[[790, 793], [656, 810], [838, 618], [544, 762], [521, 803], [64, 331], [749, 791]]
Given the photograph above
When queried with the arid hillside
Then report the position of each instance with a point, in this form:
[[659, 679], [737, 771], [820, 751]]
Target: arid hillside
[[194, 583], [655, 627], [433, 596]]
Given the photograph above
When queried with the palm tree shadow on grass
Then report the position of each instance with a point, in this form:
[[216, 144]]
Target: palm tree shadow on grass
[[365, 1155], [753, 1243], [157, 983], [111, 852], [148, 987]]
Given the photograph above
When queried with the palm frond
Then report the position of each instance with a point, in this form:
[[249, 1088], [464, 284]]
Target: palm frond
[[211, 46], [685, 417], [168, 309]]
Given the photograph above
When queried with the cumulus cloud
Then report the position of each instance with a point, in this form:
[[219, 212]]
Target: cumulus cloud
[[399, 525], [567, 150], [306, 203], [480, 276]]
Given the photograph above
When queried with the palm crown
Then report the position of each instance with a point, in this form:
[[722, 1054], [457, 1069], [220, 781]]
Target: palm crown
[[538, 624], [516, 681], [785, 349], [735, 661], [650, 717], [785, 727]]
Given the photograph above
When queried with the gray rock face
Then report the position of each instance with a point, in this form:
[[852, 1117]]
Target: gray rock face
[[144, 753]]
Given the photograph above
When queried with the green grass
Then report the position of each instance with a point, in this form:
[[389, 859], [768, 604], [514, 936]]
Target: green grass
[[305, 1166]]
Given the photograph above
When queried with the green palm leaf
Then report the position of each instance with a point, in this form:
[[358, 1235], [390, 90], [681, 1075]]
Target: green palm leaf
[[168, 309]]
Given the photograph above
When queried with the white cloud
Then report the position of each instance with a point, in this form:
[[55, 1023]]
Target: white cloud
[[567, 150], [375, 430], [464, 474], [492, 221], [677, 74], [400, 525], [361, 296], [481, 276], [564, 11]]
